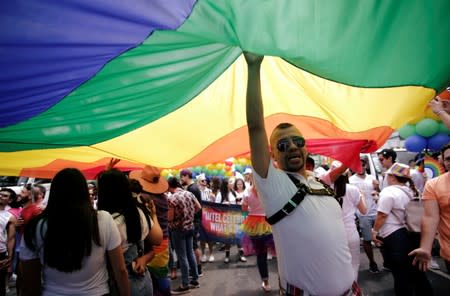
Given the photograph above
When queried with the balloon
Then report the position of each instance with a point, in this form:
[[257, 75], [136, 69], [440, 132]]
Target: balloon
[[407, 130], [443, 129], [242, 161], [427, 127], [437, 141], [415, 143]]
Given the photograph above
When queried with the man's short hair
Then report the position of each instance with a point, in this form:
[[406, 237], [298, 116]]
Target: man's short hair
[[12, 193], [186, 172], [41, 189], [283, 125], [363, 159], [310, 161], [444, 148], [389, 153], [173, 182]]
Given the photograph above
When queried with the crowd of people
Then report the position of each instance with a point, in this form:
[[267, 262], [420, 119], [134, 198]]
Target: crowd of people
[[134, 234]]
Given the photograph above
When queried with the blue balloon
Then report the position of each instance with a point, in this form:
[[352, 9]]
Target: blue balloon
[[415, 143], [436, 142]]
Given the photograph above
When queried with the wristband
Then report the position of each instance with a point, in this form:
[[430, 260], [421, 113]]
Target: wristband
[[440, 111]]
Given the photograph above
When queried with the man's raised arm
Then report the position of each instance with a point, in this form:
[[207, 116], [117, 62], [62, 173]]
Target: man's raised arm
[[259, 147]]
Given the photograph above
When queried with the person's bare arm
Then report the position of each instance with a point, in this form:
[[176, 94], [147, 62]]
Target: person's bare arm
[[430, 221], [115, 257], [259, 147], [11, 238], [153, 238], [362, 207], [379, 221], [336, 172], [198, 206], [437, 105]]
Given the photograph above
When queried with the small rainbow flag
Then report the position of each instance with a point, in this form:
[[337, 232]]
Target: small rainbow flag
[[433, 167]]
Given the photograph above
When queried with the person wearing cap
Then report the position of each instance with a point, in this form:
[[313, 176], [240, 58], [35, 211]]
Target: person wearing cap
[[387, 158], [153, 193], [389, 231], [309, 233], [441, 106], [248, 178], [436, 216], [367, 184]]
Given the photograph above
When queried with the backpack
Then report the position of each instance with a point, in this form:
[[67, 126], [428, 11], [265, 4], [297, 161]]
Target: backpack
[[413, 212]]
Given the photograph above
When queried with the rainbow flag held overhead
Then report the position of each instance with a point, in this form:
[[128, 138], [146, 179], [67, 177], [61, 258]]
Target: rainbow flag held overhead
[[163, 82]]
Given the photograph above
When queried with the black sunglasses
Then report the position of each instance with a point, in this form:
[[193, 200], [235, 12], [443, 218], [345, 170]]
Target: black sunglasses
[[283, 144]]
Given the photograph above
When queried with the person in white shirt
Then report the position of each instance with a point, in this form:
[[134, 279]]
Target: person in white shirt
[[68, 244], [352, 201], [367, 184], [389, 231], [309, 235]]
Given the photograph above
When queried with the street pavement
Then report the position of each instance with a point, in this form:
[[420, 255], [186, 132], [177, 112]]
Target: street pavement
[[237, 278]]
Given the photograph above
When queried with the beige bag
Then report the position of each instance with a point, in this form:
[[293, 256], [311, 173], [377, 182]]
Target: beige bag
[[413, 212]]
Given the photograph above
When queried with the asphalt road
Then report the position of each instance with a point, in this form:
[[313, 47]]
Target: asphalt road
[[237, 278]]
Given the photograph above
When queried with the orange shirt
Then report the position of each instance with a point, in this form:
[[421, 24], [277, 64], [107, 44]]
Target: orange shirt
[[439, 189]]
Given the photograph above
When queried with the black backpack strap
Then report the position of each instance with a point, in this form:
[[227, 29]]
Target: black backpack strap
[[298, 197], [289, 207]]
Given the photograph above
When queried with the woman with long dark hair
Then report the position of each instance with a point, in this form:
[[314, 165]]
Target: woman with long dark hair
[[68, 241], [227, 196], [135, 227]]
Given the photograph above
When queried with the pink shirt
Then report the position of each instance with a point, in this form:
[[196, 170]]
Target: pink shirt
[[255, 207]]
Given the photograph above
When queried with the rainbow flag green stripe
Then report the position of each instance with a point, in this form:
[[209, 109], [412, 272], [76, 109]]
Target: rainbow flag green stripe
[[361, 69]]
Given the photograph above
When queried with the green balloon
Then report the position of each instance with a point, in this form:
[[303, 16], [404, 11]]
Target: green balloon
[[407, 130], [427, 127], [443, 129]]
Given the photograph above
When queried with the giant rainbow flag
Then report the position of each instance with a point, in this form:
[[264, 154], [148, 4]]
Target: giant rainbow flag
[[163, 82]]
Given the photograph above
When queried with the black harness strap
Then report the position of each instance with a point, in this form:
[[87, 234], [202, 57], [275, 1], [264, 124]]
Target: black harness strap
[[298, 197]]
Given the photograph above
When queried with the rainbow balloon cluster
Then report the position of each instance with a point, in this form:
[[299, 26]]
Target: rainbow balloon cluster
[[228, 168], [427, 134]]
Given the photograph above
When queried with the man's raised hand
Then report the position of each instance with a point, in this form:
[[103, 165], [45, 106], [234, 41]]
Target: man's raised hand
[[253, 59]]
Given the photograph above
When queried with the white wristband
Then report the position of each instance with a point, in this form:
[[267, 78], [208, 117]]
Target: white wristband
[[440, 111]]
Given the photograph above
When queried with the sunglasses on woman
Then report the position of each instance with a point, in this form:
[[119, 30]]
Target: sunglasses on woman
[[283, 144]]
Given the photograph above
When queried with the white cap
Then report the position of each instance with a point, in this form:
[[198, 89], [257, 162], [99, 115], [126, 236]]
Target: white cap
[[248, 171]]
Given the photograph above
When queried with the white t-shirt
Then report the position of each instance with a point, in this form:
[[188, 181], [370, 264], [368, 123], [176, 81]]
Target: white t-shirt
[[311, 242], [392, 202], [4, 220], [120, 222], [349, 206], [366, 186], [231, 198], [92, 279]]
